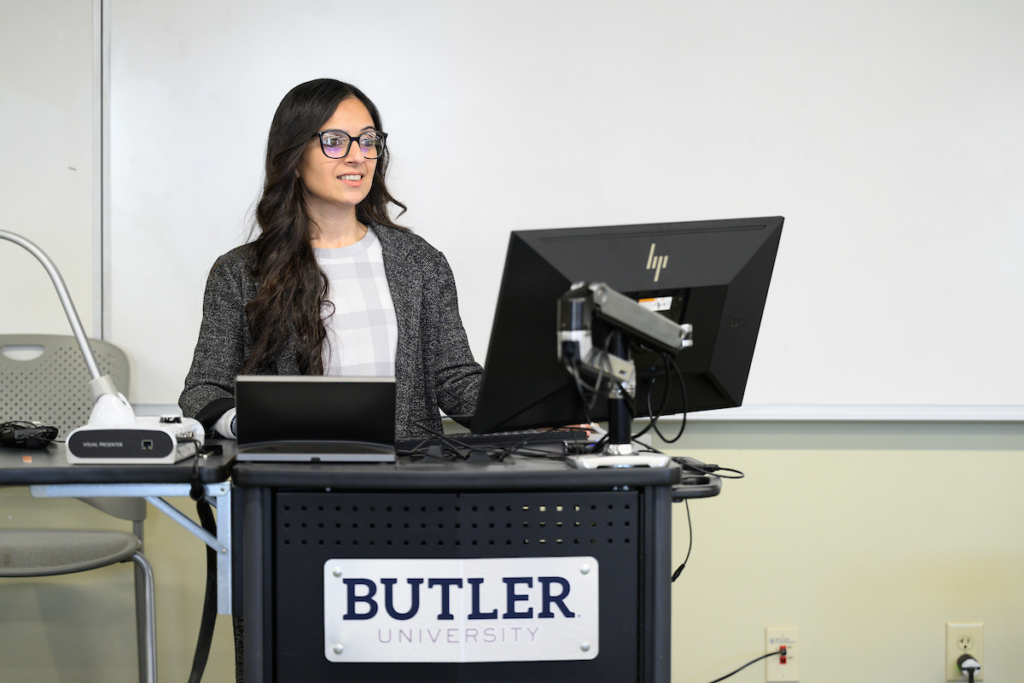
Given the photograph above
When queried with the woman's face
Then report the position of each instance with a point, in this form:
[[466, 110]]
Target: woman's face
[[338, 184]]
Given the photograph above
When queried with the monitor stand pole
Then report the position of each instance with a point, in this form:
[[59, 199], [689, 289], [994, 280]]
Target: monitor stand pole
[[619, 450]]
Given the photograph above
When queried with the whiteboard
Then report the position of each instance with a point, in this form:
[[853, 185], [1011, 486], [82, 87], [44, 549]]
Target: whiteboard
[[887, 133]]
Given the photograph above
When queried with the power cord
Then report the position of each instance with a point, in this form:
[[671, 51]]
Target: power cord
[[695, 465], [968, 665], [781, 652], [689, 524], [689, 464]]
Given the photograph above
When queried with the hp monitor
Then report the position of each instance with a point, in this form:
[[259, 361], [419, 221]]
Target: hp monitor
[[713, 275]]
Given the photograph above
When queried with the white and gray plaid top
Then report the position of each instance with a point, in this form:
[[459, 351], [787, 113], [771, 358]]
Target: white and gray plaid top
[[362, 334]]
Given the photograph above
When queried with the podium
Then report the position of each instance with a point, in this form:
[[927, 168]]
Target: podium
[[299, 520]]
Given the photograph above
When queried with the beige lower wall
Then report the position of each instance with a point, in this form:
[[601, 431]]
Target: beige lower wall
[[868, 537]]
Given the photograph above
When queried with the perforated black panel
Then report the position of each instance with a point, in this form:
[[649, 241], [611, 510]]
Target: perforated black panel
[[311, 528], [355, 523]]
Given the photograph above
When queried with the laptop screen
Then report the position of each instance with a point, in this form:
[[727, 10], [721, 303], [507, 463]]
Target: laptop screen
[[274, 408]]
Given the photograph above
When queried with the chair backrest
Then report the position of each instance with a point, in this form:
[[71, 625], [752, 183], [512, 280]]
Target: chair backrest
[[52, 385]]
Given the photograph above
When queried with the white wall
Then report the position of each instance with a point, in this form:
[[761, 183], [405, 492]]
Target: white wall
[[46, 161], [887, 133]]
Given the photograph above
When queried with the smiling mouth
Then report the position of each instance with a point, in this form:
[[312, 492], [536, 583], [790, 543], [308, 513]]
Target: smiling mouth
[[353, 176]]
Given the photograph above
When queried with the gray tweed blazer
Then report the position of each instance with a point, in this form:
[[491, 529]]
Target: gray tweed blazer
[[434, 366]]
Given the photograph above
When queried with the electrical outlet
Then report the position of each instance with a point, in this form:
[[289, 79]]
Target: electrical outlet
[[779, 669], [964, 638]]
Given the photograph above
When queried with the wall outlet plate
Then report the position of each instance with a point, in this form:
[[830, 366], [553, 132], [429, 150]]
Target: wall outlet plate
[[775, 671], [964, 638]]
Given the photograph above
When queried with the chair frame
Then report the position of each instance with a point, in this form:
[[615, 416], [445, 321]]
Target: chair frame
[[21, 376]]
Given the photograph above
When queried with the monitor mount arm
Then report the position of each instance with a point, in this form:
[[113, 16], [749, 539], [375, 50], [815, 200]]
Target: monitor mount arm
[[589, 308]]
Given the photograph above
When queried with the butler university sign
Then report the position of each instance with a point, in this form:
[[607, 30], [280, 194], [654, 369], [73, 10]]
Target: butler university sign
[[468, 610]]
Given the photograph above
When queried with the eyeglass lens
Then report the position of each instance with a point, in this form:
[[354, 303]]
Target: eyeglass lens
[[337, 145]]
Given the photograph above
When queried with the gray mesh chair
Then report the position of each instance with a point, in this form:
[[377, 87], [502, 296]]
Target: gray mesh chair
[[43, 377]]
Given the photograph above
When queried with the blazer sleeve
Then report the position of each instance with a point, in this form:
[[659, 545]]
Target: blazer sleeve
[[456, 375], [210, 385]]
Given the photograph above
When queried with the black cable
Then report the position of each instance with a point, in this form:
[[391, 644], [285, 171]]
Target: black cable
[[661, 409], [753, 661], [967, 664], [655, 416], [596, 389], [27, 434], [624, 395], [576, 440], [716, 470], [455, 449], [590, 403], [707, 469], [689, 523], [454, 444], [580, 386], [627, 398], [196, 491], [209, 618], [434, 434], [606, 364], [695, 465], [645, 448], [682, 387], [604, 367]]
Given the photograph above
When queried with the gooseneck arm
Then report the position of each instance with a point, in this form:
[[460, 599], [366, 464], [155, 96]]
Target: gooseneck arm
[[114, 410]]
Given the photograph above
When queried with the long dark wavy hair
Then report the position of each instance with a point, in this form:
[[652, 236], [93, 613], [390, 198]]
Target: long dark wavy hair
[[292, 290]]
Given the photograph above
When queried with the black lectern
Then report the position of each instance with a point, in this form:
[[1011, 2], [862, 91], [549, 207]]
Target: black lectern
[[549, 527]]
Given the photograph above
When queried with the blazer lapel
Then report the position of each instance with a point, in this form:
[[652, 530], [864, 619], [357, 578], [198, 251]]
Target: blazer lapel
[[404, 282]]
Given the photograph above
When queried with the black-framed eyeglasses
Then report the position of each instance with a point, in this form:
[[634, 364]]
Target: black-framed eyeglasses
[[336, 144]]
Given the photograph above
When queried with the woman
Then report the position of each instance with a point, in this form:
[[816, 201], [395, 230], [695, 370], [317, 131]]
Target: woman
[[332, 285]]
